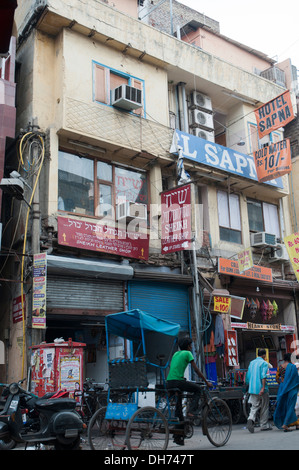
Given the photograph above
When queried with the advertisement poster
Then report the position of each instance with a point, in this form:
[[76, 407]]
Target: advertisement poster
[[176, 219], [273, 161], [222, 304], [274, 114], [39, 290], [101, 237], [70, 372], [245, 260], [17, 309], [292, 245]]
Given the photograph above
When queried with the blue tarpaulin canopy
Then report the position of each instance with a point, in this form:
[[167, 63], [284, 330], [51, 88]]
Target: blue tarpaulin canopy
[[131, 323]]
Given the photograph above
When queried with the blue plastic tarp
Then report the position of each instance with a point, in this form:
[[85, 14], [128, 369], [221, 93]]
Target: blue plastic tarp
[[130, 324]]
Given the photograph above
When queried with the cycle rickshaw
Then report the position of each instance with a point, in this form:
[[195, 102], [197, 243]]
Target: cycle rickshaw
[[124, 423]]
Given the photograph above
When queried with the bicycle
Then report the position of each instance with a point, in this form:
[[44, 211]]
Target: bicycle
[[90, 399], [123, 424]]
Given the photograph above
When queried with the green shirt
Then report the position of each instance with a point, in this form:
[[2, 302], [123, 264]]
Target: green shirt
[[179, 362]]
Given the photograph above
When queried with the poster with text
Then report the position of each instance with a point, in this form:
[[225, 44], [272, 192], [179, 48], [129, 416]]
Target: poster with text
[[176, 219], [292, 245], [273, 161], [274, 114], [39, 290]]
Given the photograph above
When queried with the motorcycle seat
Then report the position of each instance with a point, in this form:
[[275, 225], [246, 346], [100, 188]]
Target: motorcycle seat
[[56, 404]]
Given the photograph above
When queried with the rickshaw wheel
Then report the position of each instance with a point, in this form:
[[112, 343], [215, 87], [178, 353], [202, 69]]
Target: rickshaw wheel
[[106, 434], [217, 422], [147, 430]]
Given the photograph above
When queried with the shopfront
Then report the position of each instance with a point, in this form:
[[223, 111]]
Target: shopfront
[[80, 293], [267, 318]]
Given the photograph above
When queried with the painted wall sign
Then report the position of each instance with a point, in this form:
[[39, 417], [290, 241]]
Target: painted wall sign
[[274, 114], [218, 157], [231, 268], [273, 161], [176, 219], [103, 238]]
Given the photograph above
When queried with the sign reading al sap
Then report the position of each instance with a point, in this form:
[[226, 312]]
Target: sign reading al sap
[[274, 114], [273, 161], [218, 157]]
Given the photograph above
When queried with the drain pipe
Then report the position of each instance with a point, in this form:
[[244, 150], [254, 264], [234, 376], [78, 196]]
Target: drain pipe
[[183, 106]]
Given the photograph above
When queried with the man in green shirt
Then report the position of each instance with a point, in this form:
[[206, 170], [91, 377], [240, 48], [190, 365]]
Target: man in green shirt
[[175, 379]]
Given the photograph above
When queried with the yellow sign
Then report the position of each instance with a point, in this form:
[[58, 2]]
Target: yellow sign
[[222, 304], [292, 245], [245, 260]]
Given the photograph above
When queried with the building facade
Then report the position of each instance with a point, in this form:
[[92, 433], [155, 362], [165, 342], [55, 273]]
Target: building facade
[[111, 103]]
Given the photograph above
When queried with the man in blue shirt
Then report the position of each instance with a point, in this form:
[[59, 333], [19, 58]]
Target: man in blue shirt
[[258, 390]]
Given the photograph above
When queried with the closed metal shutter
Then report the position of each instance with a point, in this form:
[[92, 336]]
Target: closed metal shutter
[[83, 293], [167, 301]]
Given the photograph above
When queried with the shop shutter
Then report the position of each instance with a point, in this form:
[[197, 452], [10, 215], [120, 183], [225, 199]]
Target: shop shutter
[[84, 293], [167, 301]]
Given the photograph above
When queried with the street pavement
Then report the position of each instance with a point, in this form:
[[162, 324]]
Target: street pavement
[[240, 439]]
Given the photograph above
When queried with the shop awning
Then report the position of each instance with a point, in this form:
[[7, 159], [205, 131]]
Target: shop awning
[[7, 12], [87, 267]]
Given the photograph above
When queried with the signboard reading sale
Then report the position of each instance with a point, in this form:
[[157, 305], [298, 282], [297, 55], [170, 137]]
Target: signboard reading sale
[[274, 114], [176, 219], [273, 161]]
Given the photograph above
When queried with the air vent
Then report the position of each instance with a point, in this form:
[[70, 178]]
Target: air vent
[[202, 119], [210, 136], [261, 239], [279, 253], [199, 100], [126, 97]]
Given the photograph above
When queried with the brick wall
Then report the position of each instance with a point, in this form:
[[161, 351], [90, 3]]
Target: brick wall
[[160, 17]]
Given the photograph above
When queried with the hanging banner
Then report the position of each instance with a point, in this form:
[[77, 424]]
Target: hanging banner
[[245, 260], [274, 114], [176, 219], [39, 291], [273, 161], [292, 245]]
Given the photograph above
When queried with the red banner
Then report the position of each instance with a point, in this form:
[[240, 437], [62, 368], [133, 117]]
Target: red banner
[[101, 237], [273, 161], [274, 114], [176, 219]]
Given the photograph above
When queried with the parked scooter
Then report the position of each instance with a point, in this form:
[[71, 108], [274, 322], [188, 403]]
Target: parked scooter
[[28, 419]]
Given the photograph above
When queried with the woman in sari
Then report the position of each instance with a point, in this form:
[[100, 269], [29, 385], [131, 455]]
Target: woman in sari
[[284, 415]]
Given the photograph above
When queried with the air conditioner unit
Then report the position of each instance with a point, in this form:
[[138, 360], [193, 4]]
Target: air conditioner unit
[[280, 253], [203, 134], [131, 210], [261, 239], [126, 97], [201, 119], [199, 100]]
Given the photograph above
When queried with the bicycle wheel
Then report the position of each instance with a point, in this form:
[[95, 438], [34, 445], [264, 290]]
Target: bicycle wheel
[[106, 434], [147, 430], [217, 422]]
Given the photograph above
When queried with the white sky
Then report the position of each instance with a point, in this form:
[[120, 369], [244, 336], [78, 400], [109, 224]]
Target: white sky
[[270, 26]]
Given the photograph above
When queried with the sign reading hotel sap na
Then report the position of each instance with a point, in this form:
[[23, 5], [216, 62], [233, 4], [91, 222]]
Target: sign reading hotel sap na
[[216, 156]]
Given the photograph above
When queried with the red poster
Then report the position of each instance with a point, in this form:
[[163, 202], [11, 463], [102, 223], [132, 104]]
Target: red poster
[[273, 161], [100, 237], [274, 114], [17, 315], [176, 219]]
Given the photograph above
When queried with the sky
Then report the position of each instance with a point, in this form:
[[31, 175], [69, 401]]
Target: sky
[[270, 26]]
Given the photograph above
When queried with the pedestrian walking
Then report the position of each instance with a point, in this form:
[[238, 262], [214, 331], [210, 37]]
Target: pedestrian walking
[[258, 391], [285, 416]]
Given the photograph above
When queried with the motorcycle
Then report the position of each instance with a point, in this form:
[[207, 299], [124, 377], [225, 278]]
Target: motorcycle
[[50, 420]]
